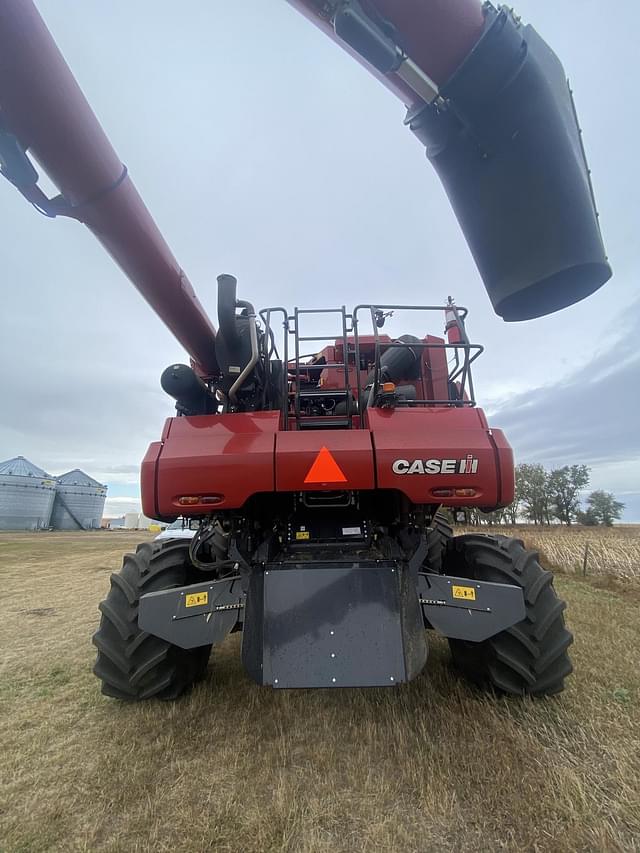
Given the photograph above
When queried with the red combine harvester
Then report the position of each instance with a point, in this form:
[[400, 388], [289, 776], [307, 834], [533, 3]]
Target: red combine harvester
[[316, 460]]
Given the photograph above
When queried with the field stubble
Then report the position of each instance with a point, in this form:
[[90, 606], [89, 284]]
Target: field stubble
[[611, 551], [429, 766]]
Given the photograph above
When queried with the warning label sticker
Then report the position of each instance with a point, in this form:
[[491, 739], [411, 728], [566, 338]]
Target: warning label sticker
[[466, 592], [325, 469], [196, 599]]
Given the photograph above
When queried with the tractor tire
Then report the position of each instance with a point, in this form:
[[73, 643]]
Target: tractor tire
[[439, 533], [531, 657], [132, 664]]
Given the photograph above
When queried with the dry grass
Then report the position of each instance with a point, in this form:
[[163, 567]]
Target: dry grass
[[430, 766], [613, 551]]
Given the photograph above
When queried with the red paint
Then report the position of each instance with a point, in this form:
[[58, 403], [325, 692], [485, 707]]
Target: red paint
[[442, 433], [230, 456], [148, 480], [296, 452], [236, 456]]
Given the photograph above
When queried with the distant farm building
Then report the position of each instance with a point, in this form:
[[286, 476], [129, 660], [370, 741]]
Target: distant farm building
[[79, 502], [27, 494], [31, 499]]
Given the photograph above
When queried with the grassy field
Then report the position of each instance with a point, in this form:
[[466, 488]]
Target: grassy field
[[430, 766]]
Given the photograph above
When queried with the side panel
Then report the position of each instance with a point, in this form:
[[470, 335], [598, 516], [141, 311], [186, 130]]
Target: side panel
[[424, 451], [506, 467], [297, 452], [227, 458], [148, 480]]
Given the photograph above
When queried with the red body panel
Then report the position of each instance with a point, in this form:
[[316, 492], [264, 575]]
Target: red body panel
[[445, 435], [148, 480], [505, 464], [297, 451], [228, 456]]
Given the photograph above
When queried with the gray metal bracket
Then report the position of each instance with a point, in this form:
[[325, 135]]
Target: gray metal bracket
[[200, 614], [466, 609]]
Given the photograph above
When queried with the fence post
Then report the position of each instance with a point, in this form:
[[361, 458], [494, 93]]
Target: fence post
[[585, 559]]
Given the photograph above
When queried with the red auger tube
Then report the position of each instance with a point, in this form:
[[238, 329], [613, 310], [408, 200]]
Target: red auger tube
[[43, 106], [436, 34]]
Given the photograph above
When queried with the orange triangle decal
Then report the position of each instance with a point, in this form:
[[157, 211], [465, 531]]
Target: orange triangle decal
[[325, 469]]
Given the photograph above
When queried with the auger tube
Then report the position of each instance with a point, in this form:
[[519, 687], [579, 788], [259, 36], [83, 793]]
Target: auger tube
[[43, 106]]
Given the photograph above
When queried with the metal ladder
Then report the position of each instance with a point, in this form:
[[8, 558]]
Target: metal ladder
[[345, 393]]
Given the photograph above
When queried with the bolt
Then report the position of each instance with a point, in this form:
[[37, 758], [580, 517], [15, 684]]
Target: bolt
[[333, 654], [173, 617], [391, 678], [333, 679], [275, 680], [332, 633]]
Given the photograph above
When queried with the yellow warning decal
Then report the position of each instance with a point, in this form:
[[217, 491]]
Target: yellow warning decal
[[303, 534], [466, 592], [197, 599]]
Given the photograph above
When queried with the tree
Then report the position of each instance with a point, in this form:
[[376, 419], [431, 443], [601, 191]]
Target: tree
[[511, 512], [564, 487], [603, 507], [534, 493], [497, 517], [588, 518]]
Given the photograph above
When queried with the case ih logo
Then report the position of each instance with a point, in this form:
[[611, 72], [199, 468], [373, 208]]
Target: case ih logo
[[468, 465]]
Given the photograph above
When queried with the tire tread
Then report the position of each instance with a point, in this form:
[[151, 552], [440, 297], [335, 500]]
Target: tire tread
[[529, 658]]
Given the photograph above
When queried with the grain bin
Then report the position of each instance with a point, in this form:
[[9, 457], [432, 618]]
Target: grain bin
[[79, 502], [26, 495]]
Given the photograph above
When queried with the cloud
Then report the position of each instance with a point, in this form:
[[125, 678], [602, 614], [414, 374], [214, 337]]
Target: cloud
[[116, 507], [591, 417]]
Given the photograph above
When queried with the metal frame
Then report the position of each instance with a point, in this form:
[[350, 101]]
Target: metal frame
[[461, 370]]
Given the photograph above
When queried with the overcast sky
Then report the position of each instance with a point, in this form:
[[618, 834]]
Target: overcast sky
[[264, 151]]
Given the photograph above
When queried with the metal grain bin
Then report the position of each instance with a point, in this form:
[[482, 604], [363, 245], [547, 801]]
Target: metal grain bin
[[79, 503], [26, 495]]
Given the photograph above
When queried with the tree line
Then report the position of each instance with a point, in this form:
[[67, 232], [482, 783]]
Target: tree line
[[547, 497]]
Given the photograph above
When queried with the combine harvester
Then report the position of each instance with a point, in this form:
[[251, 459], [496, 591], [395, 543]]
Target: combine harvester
[[317, 481]]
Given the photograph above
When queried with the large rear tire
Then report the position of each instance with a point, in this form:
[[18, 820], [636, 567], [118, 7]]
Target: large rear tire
[[439, 533], [531, 657], [132, 664]]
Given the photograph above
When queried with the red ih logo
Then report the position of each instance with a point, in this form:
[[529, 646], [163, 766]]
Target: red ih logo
[[325, 469]]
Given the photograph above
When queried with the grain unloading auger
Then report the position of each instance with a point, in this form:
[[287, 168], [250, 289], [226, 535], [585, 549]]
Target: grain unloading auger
[[317, 479]]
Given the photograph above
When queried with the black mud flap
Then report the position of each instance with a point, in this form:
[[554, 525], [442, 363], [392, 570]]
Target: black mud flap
[[464, 609], [333, 625], [190, 616]]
